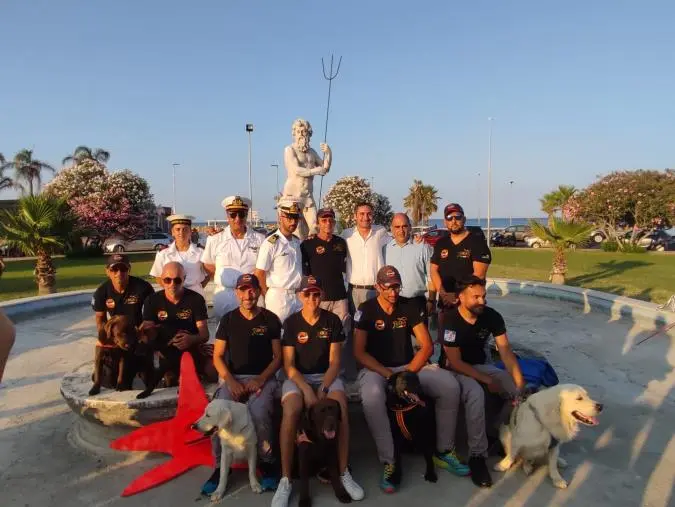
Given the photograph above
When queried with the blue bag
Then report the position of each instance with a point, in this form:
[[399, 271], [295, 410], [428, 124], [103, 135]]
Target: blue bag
[[537, 372]]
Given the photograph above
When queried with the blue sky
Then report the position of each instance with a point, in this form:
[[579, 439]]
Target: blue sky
[[576, 88]]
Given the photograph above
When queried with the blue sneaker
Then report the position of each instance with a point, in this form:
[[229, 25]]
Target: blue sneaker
[[212, 482], [449, 461], [387, 484]]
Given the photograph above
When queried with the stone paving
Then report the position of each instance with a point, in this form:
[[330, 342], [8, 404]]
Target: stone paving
[[629, 460]]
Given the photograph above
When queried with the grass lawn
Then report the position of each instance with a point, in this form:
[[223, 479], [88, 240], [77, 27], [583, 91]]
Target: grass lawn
[[647, 276], [71, 274], [650, 277]]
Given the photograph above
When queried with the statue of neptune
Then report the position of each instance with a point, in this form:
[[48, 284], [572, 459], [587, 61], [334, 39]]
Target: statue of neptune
[[302, 164]]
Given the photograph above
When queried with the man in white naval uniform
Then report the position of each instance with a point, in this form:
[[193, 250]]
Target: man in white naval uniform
[[231, 253], [183, 251], [279, 265]]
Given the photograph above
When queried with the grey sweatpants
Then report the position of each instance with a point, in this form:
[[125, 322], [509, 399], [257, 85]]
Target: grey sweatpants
[[260, 406], [473, 398], [438, 383]]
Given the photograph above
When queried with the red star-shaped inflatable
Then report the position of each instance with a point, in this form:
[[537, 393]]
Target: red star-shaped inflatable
[[188, 448]]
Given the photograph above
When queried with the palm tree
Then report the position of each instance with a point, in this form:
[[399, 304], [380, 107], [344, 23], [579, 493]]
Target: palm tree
[[40, 225], [27, 169], [554, 201], [421, 201], [562, 235], [5, 181], [83, 153]]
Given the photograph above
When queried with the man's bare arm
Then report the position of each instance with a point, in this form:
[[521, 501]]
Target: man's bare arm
[[293, 165]]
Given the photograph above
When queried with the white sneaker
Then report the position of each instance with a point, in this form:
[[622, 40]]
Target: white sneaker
[[354, 490], [282, 493]]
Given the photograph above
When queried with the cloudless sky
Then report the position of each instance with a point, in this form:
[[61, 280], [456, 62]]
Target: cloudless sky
[[576, 88]]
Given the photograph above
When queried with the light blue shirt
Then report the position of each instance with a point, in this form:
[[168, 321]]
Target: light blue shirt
[[413, 263]]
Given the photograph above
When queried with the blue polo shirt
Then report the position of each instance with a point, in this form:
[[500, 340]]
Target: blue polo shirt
[[413, 263]]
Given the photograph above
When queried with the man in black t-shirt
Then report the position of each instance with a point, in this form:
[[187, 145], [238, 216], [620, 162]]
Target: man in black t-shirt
[[121, 294], [247, 355], [456, 256], [312, 343], [324, 256], [176, 317], [382, 345], [465, 334]]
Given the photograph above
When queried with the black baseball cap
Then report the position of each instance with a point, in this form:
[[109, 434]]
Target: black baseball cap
[[117, 258], [388, 276], [247, 280], [310, 284], [451, 208], [325, 212]]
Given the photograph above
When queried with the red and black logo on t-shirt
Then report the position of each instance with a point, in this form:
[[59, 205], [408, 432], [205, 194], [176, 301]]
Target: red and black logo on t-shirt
[[131, 300], [379, 325], [302, 337], [110, 303], [400, 323], [320, 250], [259, 331], [162, 315], [324, 333]]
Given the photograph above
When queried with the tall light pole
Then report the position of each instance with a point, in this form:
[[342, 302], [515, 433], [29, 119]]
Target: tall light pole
[[478, 198], [489, 203], [277, 167], [174, 187], [249, 129], [510, 200]]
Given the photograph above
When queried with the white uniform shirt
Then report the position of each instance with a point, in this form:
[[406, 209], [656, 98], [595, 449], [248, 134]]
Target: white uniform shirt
[[281, 259], [365, 256], [231, 257], [190, 260]]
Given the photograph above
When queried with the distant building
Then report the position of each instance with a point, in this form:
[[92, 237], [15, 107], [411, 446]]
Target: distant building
[[161, 225]]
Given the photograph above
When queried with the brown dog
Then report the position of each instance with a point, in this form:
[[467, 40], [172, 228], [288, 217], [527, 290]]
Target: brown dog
[[318, 448], [121, 357]]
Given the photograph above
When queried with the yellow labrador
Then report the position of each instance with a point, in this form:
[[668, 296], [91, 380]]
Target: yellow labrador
[[233, 424], [541, 423]]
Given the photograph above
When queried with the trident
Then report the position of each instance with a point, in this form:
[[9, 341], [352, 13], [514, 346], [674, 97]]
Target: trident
[[328, 77]]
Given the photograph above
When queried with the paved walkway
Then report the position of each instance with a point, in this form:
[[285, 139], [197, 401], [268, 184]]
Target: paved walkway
[[629, 460]]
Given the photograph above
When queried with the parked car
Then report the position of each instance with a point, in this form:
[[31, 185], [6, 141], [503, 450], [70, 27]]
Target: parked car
[[597, 236], [519, 232], [500, 238], [153, 241], [535, 242], [432, 236], [658, 240]]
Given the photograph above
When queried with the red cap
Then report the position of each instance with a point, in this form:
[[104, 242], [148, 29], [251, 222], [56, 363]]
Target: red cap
[[453, 207]]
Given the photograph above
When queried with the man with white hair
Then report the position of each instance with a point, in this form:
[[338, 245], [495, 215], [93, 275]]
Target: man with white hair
[[279, 264], [231, 253], [302, 164]]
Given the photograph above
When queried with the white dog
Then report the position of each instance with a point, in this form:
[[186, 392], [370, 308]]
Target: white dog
[[541, 423], [232, 421]]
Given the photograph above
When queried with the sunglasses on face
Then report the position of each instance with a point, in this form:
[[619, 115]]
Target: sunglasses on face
[[312, 294], [291, 218], [176, 280], [235, 214], [116, 269], [455, 218]]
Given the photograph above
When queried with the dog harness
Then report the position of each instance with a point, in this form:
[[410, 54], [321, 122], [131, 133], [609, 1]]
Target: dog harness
[[400, 419]]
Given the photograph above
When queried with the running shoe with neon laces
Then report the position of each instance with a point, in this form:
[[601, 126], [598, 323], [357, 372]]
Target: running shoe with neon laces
[[355, 491], [282, 494], [449, 461], [387, 483]]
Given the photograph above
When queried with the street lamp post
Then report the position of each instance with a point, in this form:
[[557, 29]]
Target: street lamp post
[[510, 201], [489, 203], [249, 129], [478, 199], [174, 187], [277, 167]]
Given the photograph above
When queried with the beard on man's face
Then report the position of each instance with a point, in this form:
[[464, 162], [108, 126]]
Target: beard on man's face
[[477, 309], [303, 142]]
